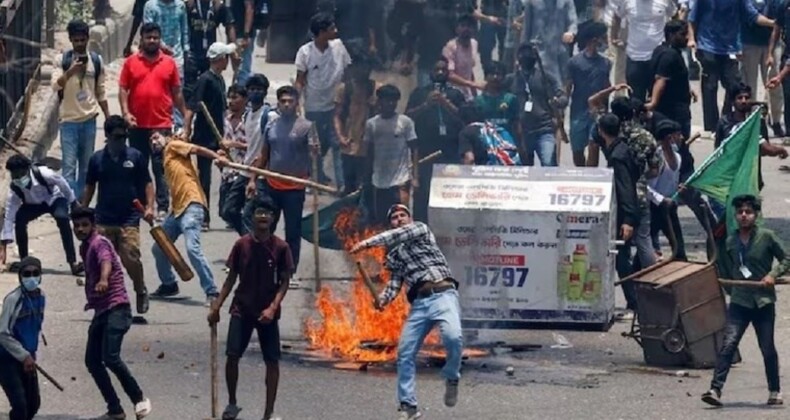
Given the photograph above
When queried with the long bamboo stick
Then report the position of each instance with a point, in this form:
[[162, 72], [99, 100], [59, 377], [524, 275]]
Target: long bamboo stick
[[282, 177]]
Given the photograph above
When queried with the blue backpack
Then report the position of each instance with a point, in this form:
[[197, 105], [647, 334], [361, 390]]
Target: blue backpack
[[500, 147]]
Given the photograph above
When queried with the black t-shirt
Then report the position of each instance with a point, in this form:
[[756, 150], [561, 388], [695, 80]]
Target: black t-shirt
[[203, 21], [428, 123], [120, 182], [210, 89], [675, 102], [262, 267], [470, 141]]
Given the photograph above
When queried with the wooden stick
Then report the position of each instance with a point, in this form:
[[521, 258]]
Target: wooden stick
[[316, 224], [282, 177], [214, 376], [49, 378], [694, 137], [368, 282], [751, 283]]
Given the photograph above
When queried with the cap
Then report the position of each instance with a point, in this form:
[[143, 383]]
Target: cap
[[218, 49], [396, 207]]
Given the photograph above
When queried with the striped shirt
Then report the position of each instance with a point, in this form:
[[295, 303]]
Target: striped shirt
[[413, 258], [172, 18]]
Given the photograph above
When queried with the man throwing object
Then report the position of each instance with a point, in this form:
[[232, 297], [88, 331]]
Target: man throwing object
[[414, 257]]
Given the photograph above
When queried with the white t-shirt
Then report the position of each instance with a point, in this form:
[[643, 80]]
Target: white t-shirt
[[324, 71], [666, 183], [646, 20], [391, 140]]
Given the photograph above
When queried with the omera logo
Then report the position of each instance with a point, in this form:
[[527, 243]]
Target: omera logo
[[574, 218]]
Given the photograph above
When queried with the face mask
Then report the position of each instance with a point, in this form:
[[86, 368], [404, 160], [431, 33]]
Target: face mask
[[22, 182], [31, 283], [256, 98]]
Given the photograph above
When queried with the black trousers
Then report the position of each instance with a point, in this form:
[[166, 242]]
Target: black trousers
[[205, 169], [232, 203], [423, 193], [60, 211], [639, 75], [21, 389], [661, 218], [140, 139], [716, 69], [353, 171]]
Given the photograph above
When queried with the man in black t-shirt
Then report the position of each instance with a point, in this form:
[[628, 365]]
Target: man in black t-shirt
[[204, 18]]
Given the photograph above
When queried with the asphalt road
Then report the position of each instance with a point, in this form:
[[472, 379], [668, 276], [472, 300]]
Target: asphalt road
[[592, 379]]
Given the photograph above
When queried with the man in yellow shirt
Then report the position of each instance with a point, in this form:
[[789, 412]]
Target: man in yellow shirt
[[186, 215]]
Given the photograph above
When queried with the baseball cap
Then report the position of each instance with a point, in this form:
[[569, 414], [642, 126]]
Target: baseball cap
[[219, 49]]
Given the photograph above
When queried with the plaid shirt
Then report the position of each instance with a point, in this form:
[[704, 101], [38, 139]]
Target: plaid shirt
[[172, 18], [413, 257]]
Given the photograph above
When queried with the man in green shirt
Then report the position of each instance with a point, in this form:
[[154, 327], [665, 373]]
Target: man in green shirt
[[749, 254]]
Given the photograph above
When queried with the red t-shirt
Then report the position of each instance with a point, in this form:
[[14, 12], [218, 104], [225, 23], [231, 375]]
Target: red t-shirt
[[150, 84], [261, 267]]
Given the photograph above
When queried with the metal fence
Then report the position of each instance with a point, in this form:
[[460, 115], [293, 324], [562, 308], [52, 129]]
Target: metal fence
[[21, 27]]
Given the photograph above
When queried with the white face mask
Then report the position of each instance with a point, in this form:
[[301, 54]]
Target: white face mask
[[22, 182], [31, 283]]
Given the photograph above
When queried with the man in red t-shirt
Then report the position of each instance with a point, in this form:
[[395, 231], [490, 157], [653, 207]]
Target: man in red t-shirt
[[150, 85], [263, 265]]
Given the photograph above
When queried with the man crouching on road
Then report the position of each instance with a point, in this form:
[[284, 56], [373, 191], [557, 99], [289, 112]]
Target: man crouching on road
[[414, 257], [20, 326], [263, 265], [112, 317]]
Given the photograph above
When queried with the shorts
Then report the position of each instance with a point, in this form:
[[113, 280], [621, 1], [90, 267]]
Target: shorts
[[581, 132], [240, 333]]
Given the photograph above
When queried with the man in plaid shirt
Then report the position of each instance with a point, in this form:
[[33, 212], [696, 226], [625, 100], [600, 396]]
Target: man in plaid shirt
[[414, 258]]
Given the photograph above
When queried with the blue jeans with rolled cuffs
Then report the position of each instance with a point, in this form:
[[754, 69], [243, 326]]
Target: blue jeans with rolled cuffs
[[444, 310], [77, 142], [189, 223]]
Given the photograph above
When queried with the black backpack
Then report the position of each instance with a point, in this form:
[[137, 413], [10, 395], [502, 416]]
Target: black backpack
[[39, 178], [68, 58]]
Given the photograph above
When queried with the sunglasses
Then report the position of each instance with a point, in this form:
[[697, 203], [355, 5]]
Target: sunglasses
[[30, 273]]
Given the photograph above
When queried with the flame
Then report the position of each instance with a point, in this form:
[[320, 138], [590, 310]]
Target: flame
[[345, 324]]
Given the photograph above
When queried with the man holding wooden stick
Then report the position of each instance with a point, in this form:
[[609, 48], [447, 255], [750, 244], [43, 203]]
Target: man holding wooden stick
[[414, 257], [263, 265], [20, 326]]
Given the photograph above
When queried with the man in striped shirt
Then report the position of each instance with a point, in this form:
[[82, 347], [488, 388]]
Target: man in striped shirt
[[414, 258]]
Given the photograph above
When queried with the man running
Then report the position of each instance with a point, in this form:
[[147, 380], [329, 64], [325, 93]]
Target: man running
[[414, 258]]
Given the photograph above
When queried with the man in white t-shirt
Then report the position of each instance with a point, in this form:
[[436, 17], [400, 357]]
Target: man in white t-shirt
[[320, 65], [391, 143], [663, 210], [646, 20]]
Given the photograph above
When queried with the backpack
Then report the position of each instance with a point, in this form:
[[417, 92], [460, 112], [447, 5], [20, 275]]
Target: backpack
[[500, 147], [68, 58], [39, 178]]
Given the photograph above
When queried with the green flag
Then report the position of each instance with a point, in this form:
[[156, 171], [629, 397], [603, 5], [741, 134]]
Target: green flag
[[732, 169]]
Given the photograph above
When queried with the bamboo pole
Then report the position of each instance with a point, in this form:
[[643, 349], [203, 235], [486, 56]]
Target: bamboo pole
[[282, 177], [316, 234], [214, 373], [49, 378]]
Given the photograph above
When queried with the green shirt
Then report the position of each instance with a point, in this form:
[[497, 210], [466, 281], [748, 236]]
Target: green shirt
[[758, 256], [501, 110]]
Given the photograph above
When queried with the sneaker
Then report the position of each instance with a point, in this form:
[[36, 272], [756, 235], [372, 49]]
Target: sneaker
[[408, 412], [108, 416], [451, 393], [271, 417], [775, 398], [77, 269], [231, 412], [206, 227], [712, 397], [142, 302], [165, 291], [160, 216], [143, 408], [210, 300]]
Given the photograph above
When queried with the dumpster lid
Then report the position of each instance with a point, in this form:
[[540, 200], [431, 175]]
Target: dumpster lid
[[522, 188], [671, 272]]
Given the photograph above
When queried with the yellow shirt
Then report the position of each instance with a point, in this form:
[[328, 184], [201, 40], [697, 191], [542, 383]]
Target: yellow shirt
[[81, 95], [182, 177]]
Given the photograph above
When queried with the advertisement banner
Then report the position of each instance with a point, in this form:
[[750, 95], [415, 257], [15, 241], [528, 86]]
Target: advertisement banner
[[527, 245]]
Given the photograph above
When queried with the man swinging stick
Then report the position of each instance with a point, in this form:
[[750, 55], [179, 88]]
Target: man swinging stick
[[414, 257]]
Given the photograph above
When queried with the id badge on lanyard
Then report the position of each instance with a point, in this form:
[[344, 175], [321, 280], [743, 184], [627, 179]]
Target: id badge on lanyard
[[742, 251]]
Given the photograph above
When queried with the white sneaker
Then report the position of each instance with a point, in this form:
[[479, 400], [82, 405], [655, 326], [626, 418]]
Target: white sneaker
[[143, 408], [775, 398], [409, 413]]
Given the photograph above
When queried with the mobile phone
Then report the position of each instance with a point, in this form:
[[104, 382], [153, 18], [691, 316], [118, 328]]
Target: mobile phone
[[82, 59]]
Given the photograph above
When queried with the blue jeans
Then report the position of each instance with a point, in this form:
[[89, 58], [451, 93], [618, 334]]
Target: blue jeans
[[581, 131], [245, 69], [77, 142], [445, 310], [544, 145], [189, 223], [325, 125], [288, 202]]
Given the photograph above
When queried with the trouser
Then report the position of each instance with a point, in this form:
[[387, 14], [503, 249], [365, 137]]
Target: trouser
[[624, 269], [639, 75], [126, 240], [353, 172], [140, 139], [234, 191], [77, 142], [245, 68], [716, 68], [752, 65], [422, 193], [662, 218], [555, 60], [738, 320], [442, 309], [291, 204], [59, 211], [645, 255], [786, 92], [325, 126], [189, 223], [21, 389], [489, 37], [544, 145], [103, 352], [205, 170]]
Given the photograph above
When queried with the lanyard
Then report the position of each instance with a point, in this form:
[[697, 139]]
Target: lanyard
[[743, 250]]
